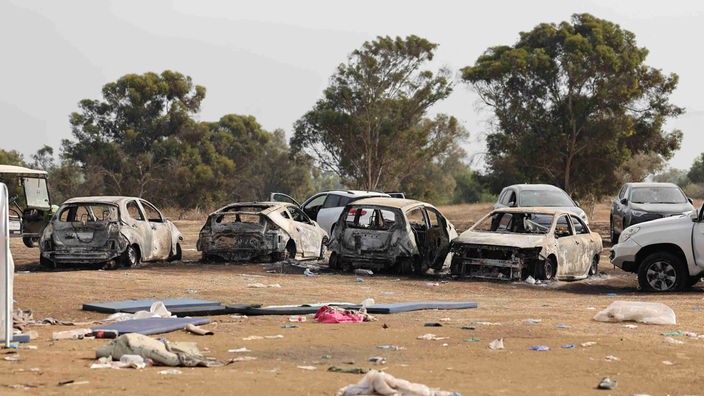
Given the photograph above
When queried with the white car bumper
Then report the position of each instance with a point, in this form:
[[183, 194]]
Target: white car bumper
[[624, 252]]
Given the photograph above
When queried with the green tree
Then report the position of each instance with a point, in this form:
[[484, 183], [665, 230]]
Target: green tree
[[11, 157], [115, 137], [572, 102], [369, 127], [696, 172]]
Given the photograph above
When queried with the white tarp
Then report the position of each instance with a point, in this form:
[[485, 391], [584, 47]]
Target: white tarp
[[7, 270]]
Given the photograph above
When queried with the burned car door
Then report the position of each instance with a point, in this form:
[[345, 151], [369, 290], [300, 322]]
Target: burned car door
[[159, 231], [419, 225], [437, 239], [309, 239], [280, 197], [141, 233], [588, 246], [570, 248]]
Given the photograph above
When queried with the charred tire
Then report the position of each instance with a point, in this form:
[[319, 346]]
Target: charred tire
[[30, 241], [662, 272], [612, 233], [419, 267], [323, 249], [546, 269], [130, 258], [290, 250], [404, 266], [46, 263], [594, 267], [179, 253], [335, 261]]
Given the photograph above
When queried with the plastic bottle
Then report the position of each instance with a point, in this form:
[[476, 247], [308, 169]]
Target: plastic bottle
[[76, 334], [296, 318]]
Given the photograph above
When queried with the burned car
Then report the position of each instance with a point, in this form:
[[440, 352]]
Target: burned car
[[261, 230], [513, 243], [111, 230], [402, 235]]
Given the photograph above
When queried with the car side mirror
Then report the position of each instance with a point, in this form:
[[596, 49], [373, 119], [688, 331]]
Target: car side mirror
[[624, 201]]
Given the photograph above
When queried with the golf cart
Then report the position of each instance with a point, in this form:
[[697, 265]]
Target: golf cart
[[30, 204]]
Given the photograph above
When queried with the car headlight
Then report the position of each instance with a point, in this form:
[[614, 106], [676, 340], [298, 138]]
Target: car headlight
[[627, 233], [637, 213]]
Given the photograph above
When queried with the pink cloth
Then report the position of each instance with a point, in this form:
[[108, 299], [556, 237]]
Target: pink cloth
[[327, 314]]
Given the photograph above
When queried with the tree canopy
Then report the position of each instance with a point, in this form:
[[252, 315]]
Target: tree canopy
[[572, 102], [370, 127]]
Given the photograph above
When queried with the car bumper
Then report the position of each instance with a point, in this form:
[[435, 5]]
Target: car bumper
[[623, 255], [80, 256]]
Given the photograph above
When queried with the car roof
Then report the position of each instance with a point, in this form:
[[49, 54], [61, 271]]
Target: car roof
[[268, 206], [535, 209], [110, 199], [652, 184], [527, 186], [21, 171], [357, 193], [401, 203]]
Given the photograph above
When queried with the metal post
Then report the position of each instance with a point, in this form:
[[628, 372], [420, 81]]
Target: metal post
[[5, 245]]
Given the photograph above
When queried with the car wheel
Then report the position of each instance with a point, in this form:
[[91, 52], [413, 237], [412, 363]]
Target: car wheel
[[46, 263], [30, 241], [613, 234], [335, 261], [546, 269], [594, 268], [130, 258], [290, 251], [323, 249], [404, 265], [419, 267], [177, 256], [662, 272]]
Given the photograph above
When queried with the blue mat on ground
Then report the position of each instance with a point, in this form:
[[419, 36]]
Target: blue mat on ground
[[18, 338], [152, 325], [416, 306], [143, 305], [195, 310]]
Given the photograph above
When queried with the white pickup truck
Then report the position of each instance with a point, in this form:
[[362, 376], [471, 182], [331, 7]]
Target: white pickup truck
[[667, 254]]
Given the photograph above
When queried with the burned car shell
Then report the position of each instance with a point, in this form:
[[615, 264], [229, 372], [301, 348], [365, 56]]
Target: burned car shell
[[390, 233], [256, 230], [549, 243], [103, 229]]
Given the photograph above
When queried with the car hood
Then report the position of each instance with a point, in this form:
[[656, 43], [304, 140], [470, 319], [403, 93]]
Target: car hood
[[662, 208], [499, 239]]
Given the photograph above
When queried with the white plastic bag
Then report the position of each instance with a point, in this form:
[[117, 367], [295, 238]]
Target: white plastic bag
[[637, 311]]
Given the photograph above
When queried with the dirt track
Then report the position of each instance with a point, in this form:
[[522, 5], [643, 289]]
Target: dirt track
[[526, 316]]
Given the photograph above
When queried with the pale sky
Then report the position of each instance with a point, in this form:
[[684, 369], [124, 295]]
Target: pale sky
[[272, 59]]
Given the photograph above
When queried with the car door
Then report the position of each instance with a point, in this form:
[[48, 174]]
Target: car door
[[437, 238], [618, 209], [309, 240], [698, 239], [313, 205], [331, 211], [141, 231], [587, 245], [419, 226], [570, 249], [160, 232], [281, 197]]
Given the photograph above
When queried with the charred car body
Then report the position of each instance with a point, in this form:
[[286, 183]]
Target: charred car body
[[513, 243], [261, 230], [113, 230], [390, 234]]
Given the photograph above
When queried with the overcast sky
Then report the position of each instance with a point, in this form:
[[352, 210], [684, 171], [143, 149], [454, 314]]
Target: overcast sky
[[272, 59]]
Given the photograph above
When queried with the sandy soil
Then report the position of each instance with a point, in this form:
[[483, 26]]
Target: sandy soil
[[523, 315]]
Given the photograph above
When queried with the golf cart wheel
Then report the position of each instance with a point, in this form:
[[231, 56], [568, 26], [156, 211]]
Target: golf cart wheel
[[30, 241], [662, 272]]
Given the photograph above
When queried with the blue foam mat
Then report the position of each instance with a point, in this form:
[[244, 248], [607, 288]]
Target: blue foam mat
[[151, 325], [138, 305]]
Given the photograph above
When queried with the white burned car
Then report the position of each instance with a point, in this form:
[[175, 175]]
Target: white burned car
[[261, 230], [403, 235], [513, 243], [113, 230]]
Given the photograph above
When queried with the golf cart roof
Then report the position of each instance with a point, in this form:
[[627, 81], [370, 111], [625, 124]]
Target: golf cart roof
[[21, 171]]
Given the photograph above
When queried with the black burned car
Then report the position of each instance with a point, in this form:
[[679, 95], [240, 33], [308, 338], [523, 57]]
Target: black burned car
[[261, 230], [108, 230], [401, 235]]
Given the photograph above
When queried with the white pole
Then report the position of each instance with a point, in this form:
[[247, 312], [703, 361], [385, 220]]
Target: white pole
[[6, 266]]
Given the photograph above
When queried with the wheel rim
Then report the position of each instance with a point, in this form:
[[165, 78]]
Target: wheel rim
[[131, 255], [548, 269], [661, 275], [594, 267]]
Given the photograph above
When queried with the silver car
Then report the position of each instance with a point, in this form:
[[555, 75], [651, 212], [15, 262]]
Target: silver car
[[113, 230], [538, 195]]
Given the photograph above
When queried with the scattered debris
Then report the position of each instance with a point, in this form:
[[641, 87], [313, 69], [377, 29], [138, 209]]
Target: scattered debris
[[670, 340], [377, 360], [668, 363], [170, 372], [239, 350], [431, 337], [362, 271], [611, 358], [539, 348], [497, 344], [607, 383], [191, 328], [165, 353], [258, 285], [297, 318], [472, 339], [637, 311], [353, 370], [433, 324], [391, 347], [310, 368], [379, 383], [588, 344], [569, 346]]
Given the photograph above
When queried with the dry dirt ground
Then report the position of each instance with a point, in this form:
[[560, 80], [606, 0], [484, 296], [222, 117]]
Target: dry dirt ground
[[523, 315]]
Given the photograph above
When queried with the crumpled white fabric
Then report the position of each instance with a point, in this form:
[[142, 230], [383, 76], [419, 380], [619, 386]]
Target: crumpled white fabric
[[169, 354], [157, 310], [379, 383], [637, 311]]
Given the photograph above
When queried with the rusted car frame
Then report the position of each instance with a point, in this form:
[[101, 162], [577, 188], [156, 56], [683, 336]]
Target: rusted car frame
[[113, 230], [513, 243], [261, 231], [403, 235]]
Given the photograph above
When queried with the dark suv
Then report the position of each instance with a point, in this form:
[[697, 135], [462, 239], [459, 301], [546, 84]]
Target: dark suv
[[641, 202]]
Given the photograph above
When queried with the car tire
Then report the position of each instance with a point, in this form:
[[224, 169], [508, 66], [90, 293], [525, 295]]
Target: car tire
[[130, 257], [419, 267], [404, 266], [176, 256], [30, 241], [323, 249], [545, 269], [613, 234], [46, 263], [594, 267], [662, 272], [335, 261]]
